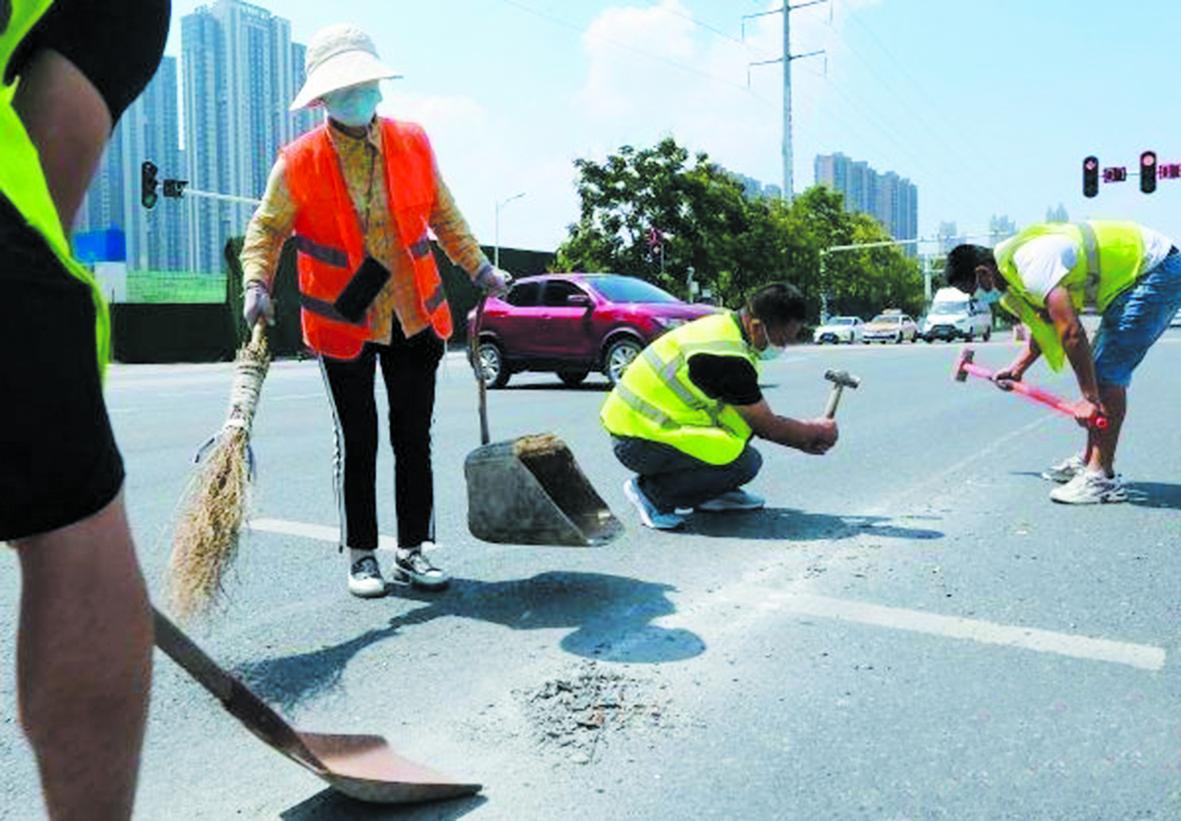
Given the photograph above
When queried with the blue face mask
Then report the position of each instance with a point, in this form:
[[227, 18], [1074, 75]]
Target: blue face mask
[[987, 297], [353, 106], [772, 351]]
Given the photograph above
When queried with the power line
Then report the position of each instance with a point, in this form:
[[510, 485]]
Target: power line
[[632, 49]]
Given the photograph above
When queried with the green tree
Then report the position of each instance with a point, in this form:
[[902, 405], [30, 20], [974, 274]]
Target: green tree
[[733, 244]]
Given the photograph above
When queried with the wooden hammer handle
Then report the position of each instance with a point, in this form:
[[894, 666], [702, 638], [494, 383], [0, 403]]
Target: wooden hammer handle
[[834, 398]]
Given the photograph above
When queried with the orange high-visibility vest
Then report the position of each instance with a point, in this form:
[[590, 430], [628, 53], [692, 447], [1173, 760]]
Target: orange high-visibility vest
[[328, 234]]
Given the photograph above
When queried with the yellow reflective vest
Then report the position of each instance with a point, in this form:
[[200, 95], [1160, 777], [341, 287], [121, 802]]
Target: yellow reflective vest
[[656, 400], [1110, 259], [23, 182]]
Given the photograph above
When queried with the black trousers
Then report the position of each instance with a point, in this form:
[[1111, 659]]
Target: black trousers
[[408, 367]]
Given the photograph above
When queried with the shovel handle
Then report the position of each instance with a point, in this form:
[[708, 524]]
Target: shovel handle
[[478, 369]]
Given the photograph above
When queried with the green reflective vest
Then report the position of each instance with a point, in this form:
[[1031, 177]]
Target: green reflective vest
[[22, 181], [1111, 255], [656, 400]]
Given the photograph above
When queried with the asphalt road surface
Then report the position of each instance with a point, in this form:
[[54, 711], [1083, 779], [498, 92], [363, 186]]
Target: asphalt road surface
[[910, 630]]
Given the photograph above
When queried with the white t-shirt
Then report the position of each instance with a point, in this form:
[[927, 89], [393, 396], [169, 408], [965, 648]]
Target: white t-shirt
[[1043, 262]]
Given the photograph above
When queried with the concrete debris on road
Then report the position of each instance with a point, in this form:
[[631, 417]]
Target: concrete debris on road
[[572, 714]]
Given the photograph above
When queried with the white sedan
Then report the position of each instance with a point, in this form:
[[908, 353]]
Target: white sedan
[[839, 329]]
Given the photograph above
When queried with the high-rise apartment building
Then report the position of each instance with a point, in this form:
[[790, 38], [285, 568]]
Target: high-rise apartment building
[[148, 130], [893, 200]]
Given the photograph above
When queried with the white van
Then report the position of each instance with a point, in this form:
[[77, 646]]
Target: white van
[[955, 315]]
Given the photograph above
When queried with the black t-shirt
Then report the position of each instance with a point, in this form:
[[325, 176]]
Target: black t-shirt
[[731, 379]]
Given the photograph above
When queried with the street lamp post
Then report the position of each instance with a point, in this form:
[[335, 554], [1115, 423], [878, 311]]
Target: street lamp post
[[496, 246]]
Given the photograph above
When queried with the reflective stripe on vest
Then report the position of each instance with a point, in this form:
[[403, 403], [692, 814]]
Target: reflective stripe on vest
[[329, 236], [22, 181], [1111, 258], [655, 399]]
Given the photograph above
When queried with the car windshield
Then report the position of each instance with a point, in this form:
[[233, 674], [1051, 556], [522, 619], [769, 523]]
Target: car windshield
[[842, 320], [888, 319], [629, 289], [946, 308]]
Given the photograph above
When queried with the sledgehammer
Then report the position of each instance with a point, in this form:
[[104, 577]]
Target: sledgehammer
[[840, 380], [964, 366]]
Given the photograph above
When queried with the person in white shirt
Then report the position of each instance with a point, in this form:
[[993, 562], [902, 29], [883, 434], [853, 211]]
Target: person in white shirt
[[1045, 276]]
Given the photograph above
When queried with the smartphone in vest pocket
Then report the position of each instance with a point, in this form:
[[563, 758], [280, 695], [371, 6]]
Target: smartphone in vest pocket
[[362, 289]]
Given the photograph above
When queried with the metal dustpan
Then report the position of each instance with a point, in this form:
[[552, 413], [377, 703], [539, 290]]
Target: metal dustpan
[[360, 766], [530, 490]]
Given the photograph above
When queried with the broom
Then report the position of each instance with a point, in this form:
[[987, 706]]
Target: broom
[[215, 504]]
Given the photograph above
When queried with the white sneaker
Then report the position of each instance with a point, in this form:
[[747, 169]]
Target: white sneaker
[[413, 567], [1065, 470], [738, 499], [365, 579], [649, 515], [1088, 488]]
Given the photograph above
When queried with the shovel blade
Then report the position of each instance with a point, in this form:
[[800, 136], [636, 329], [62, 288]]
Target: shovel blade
[[365, 768], [530, 490]]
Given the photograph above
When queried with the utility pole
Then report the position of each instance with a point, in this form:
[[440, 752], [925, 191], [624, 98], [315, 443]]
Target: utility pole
[[788, 183]]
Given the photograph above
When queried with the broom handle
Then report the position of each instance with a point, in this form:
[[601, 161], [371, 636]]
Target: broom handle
[[478, 369]]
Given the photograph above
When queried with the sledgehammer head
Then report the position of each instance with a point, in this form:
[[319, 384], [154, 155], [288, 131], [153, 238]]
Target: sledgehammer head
[[960, 374], [842, 378]]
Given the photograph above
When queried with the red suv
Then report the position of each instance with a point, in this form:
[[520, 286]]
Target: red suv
[[572, 324]]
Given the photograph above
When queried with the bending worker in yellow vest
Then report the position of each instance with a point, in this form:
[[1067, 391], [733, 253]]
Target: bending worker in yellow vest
[[1044, 276], [361, 195], [686, 408]]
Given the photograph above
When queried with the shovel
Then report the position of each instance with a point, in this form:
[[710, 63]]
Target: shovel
[[360, 766], [529, 490]]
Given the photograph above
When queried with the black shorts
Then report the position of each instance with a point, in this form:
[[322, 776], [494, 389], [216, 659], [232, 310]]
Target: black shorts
[[58, 460]]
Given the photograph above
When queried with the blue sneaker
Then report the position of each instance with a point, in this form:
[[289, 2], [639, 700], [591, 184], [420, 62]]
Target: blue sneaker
[[649, 515]]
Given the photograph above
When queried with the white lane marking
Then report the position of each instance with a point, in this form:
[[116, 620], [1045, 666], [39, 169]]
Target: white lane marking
[[1141, 656], [305, 530]]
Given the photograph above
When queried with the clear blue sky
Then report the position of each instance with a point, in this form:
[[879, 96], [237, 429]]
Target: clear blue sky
[[988, 107]]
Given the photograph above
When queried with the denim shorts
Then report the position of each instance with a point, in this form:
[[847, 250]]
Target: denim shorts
[[1135, 320]]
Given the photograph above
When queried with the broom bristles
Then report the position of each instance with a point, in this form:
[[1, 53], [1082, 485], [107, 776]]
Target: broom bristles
[[212, 514], [214, 506]]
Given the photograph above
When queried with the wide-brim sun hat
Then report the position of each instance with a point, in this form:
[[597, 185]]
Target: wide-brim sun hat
[[339, 56]]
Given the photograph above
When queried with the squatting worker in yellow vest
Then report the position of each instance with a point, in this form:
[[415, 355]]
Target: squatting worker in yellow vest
[[68, 70], [1045, 276], [686, 408], [361, 194]]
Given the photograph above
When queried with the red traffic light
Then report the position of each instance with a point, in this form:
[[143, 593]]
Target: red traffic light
[[1090, 176], [1148, 172]]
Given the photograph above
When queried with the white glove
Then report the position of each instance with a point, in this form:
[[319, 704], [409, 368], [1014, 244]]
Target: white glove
[[256, 302], [494, 281]]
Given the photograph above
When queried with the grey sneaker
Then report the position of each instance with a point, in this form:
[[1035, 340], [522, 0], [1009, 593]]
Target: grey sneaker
[[365, 579], [1065, 470], [649, 515], [411, 566], [1089, 488], [733, 500]]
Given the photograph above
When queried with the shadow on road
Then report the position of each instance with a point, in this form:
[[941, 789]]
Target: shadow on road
[[330, 804], [775, 523], [1154, 494], [611, 617]]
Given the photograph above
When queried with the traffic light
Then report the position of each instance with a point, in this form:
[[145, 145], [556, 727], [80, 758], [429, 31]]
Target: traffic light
[[148, 184], [1148, 172], [1090, 176]]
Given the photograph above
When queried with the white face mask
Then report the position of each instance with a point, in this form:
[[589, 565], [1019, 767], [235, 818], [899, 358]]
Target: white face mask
[[772, 351], [353, 106]]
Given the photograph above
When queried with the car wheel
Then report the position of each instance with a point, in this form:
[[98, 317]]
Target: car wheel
[[492, 365], [971, 336], [619, 356], [987, 334], [572, 378], [898, 339]]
